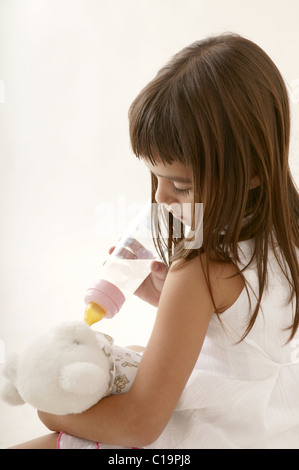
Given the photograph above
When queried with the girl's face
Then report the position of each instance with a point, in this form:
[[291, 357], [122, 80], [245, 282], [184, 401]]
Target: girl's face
[[175, 188]]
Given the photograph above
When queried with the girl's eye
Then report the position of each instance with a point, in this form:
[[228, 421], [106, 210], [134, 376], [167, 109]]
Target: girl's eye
[[184, 192]]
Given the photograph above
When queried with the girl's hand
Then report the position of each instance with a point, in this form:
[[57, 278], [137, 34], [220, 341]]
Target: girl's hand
[[151, 288]]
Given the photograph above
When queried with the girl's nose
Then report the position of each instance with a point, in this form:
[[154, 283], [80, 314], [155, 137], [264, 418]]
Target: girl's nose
[[162, 195]]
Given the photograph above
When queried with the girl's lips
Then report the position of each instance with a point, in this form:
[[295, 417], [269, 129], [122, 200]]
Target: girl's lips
[[179, 217], [172, 212], [176, 212], [184, 218]]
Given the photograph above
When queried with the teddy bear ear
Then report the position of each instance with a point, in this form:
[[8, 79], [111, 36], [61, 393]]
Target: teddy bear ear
[[10, 367], [10, 394]]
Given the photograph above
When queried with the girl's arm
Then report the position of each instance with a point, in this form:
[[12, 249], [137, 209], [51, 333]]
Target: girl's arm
[[138, 417]]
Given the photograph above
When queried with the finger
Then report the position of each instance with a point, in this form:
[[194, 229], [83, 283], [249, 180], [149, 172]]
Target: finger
[[158, 266], [158, 269]]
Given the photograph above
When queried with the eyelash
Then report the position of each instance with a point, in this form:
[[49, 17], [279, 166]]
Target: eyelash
[[184, 192]]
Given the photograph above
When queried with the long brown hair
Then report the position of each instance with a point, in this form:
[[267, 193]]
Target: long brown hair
[[220, 107]]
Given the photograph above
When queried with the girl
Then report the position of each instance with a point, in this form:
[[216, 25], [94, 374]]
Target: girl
[[220, 369]]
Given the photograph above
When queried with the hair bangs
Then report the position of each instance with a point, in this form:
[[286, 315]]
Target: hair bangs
[[155, 126]]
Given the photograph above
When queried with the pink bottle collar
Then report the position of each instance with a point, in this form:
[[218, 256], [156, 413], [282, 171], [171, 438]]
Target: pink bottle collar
[[106, 295]]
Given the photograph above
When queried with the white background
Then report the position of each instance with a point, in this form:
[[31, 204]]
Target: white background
[[69, 70]]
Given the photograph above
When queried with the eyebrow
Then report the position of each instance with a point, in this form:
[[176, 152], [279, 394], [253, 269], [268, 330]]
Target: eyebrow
[[178, 179]]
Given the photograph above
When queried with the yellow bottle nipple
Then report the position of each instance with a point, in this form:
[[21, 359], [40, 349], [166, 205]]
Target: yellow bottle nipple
[[93, 313]]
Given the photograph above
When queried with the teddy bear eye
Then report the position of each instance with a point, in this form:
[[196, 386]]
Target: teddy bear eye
[[76, 341]]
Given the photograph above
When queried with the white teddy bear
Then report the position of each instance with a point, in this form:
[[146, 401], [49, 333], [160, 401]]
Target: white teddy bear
[[68, 370]]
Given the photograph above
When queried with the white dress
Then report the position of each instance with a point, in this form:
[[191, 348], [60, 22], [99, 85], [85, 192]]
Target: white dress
[[240, 395], [243, 395]]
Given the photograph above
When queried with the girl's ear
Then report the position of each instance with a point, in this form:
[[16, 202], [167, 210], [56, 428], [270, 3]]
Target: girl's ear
[[254, 182]]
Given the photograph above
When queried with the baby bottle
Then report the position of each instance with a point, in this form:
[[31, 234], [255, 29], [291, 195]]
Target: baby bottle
[[123, 271]]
